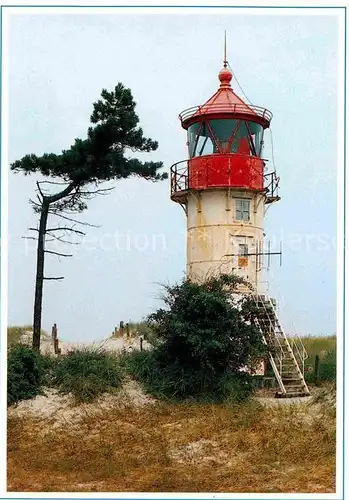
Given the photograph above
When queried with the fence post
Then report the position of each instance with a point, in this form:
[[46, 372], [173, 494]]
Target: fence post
[[121, 329], [54, 332], [317, 369], [55, 340]]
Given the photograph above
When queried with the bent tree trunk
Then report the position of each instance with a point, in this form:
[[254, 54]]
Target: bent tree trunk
[[40, 259], [39, 281]]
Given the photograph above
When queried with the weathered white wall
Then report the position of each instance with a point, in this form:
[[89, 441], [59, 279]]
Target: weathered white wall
[[213, 232]]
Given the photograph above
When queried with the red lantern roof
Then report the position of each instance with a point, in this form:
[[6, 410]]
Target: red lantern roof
[[225, 104]]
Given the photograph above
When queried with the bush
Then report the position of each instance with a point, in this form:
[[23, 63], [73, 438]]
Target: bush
[[173, 383], [87, 374], [27, 371], [237, 388], [204, 342]]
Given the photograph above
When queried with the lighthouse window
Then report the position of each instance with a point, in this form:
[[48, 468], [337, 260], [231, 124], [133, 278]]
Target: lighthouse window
[[192, 136], [200, 140], [243, 210], [242, 143], [257, 136], [225, 136], [223, 131], [243, 250]]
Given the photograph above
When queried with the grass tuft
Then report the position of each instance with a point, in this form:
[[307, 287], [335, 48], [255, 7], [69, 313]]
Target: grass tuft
[[87, 374], [15, 333]]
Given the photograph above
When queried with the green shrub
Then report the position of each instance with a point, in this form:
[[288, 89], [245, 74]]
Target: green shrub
[[236, 388], [87, 374], [174, 383], [27, 371], [203, 342]]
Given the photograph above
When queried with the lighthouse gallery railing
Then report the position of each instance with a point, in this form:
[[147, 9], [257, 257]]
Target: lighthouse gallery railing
[[180, 180], [239, 109]]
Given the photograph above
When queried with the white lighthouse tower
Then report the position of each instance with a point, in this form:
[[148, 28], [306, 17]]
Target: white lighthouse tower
[[224, 188], [223, 185]]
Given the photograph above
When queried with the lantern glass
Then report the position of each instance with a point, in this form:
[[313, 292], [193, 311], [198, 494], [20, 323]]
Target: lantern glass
[[200, 140], [225, 136], [223, 131]]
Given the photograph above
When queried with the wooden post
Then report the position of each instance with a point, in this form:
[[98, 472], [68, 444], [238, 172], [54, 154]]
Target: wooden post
[[141, 342], [127, 331], [121, 328], [317, 369], [55, 340], [54, 332]]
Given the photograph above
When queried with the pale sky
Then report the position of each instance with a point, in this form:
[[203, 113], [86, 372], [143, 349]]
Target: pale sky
[[58, 65]]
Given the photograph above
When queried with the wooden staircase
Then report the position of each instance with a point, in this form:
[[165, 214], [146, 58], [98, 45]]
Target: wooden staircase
[[286, 355]]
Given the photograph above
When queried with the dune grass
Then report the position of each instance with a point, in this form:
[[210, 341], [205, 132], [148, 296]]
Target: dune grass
[[15, 333], [177, 447], [87, 374], [319, 345], [325, 348]]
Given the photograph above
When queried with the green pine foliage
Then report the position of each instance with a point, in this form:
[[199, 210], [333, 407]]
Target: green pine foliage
[[104, 154]]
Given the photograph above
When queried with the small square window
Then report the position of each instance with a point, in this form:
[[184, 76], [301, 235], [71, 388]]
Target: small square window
[[243, 210], [243, 250]]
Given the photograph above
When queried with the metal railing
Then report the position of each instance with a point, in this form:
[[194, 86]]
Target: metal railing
[[244, 109], [180, 180], [295, 348], [295, 343], [179, 177], [275, 356], [271, 186], [293, 336]]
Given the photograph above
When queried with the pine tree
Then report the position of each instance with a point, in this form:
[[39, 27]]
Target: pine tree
[[80, 171]]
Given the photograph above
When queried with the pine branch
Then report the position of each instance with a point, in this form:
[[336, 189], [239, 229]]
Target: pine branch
[[74, 220], [65, 229], [58, 253], [54, 182], [39, 188], [104, 191], [61, 240], [29, 238], [58, 278]]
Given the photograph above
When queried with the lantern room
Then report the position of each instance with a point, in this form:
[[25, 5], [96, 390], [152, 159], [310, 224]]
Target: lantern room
[[225, 143]]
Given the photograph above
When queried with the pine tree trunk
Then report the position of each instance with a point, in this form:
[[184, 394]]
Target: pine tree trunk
[[39, 281]]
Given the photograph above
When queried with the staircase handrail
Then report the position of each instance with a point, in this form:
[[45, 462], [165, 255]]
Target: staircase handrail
[[295, 339], [271, 356]]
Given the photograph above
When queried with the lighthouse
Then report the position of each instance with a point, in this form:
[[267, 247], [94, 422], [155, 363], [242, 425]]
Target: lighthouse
[[225, 187]]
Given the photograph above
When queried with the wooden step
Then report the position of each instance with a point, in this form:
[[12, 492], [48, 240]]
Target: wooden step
[[292, 395], [294, 388], [288, 381]]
